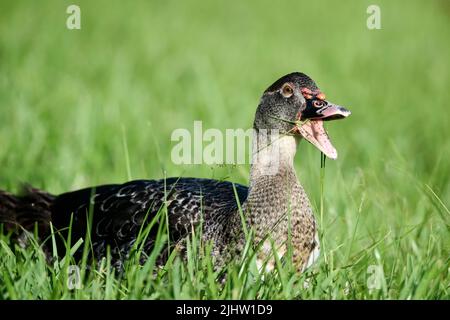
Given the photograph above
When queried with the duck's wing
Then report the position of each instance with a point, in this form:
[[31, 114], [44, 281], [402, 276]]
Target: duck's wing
[[118, 212]]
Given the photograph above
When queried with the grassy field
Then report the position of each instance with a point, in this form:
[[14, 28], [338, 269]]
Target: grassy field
[[98, 105]]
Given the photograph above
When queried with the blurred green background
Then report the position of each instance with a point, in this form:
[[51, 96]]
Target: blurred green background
[[76, 104]]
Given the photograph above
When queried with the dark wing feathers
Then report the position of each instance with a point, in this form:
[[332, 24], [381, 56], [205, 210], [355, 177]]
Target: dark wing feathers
[[118, 211], [31, 206]]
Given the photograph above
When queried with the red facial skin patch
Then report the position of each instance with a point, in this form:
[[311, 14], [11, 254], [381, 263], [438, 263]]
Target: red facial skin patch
[[308, 94], [320, 96], [306, 91]]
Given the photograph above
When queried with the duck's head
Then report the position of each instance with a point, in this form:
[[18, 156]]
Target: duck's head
[[294, 105]]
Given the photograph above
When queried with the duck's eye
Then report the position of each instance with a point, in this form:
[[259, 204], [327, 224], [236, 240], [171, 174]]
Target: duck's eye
[[287, 90], [319, 103]]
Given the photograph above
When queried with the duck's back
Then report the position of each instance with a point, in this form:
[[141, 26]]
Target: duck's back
[[119, 211]]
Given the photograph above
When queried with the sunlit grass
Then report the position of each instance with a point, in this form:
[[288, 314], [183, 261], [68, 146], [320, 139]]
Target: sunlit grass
[[98, 105]]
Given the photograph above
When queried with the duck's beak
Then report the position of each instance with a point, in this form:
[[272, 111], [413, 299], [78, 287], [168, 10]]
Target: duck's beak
[[311, 125]]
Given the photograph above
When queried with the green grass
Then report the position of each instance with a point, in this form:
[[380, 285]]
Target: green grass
[[98, 105]]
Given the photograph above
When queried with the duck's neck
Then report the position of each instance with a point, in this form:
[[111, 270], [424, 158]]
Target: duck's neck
[[272, 155], [276, 205], [274, 187]]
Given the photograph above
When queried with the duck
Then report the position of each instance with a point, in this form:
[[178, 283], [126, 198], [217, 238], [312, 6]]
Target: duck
[[274, 207]]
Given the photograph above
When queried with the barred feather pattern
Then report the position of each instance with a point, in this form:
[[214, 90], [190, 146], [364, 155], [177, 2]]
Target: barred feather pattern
[[280, 213], [276, 207], [120, 211]]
